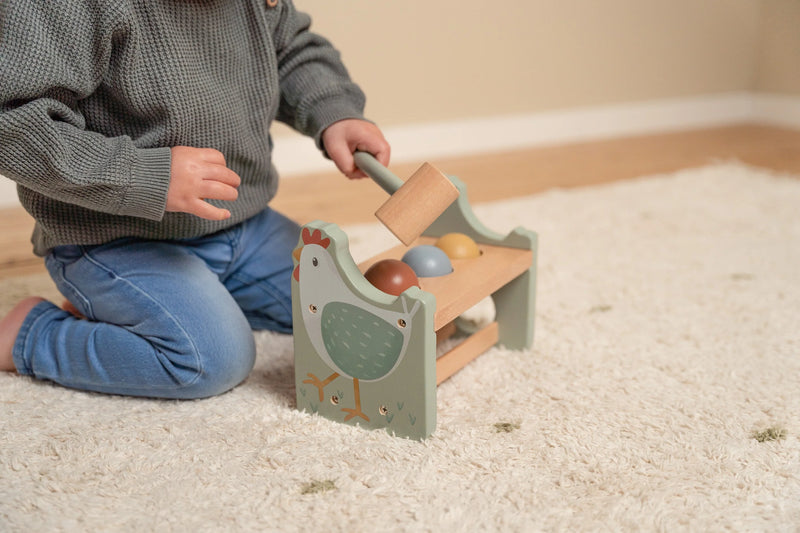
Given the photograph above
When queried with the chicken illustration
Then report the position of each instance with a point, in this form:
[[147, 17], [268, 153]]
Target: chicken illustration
[[355, 338]]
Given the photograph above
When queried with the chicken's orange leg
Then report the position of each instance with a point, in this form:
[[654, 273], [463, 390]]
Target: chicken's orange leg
[[357, 411], [320, 384]]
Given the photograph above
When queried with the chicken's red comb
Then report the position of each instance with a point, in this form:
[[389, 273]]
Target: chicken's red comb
[[315, 237]]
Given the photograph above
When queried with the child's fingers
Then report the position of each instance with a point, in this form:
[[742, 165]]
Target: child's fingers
[[216, 190], [222, 174], [378, 147], [378, 150], [207, 211], [383, 154], [341, 155], [211, 155], [197, 174], [343, 138]]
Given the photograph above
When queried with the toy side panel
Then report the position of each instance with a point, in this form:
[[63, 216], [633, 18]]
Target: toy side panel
[[403, 401], [515, 301], [460, 218]]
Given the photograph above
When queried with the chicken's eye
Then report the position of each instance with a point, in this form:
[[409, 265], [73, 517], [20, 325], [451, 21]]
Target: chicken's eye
[[315, 261]]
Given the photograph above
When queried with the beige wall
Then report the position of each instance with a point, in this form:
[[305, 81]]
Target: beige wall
[[449, 59], [452, 59], [779, 59]]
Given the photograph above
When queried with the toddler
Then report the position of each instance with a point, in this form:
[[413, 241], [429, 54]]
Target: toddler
[[138, 134]]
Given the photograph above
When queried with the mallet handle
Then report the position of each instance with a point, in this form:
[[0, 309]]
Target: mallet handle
[[379, 173]]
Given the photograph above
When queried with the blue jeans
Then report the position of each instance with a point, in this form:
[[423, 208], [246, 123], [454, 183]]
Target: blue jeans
[[166, 319]]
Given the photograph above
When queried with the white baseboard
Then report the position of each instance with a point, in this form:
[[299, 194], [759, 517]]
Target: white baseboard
[[416, 142], [8, 193], [295, 155], [777, 110]]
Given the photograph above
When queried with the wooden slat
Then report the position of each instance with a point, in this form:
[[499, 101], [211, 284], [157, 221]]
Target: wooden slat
[[22, 268], [460, 356], [471, 279]]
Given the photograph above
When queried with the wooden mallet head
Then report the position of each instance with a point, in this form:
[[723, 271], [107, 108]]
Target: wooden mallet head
[[414, 205]]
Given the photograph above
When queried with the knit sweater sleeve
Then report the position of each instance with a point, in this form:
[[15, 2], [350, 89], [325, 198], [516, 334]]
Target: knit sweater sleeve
[[52, 56], [316, 89]]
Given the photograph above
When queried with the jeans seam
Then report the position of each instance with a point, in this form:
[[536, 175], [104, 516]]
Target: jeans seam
[[62, 267], [234, 236], [197, 358]]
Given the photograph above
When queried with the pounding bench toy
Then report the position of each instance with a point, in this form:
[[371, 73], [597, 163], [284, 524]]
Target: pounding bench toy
[[369, 357]]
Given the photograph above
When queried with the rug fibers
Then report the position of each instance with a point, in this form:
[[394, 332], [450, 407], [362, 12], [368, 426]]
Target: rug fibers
[[662, 394]]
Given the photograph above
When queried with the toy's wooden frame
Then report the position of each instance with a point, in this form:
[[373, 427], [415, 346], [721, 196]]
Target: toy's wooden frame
[[405, 401]]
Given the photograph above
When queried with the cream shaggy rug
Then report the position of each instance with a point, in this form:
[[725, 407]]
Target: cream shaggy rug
[[662, 394]]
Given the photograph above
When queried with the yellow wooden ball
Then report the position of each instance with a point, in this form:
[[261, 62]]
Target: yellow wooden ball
[[458, 246]]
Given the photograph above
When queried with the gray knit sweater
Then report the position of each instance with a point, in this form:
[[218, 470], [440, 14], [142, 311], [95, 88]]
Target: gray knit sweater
[[93, 93]]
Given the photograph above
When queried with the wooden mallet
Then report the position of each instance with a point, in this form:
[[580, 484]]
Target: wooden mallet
[[414, 204]]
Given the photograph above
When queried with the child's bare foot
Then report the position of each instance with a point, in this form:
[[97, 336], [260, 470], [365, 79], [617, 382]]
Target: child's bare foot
[[9, 328], [67, 306]]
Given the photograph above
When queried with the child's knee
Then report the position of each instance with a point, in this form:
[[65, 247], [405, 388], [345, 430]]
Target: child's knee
[[219, 369]]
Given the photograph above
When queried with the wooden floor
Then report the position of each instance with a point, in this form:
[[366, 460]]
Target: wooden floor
[[328, 196]]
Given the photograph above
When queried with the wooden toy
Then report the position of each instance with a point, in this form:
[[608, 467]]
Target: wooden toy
[[363, 356]]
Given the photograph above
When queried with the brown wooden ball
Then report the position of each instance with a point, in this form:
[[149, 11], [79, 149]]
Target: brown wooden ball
[[392, 276]]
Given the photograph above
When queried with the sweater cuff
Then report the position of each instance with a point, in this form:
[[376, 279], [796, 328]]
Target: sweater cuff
[[150, 176], [330, 111]]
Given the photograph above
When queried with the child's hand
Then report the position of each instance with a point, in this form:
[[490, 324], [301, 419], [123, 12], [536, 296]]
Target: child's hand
[[199, 174], [341, 139]]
